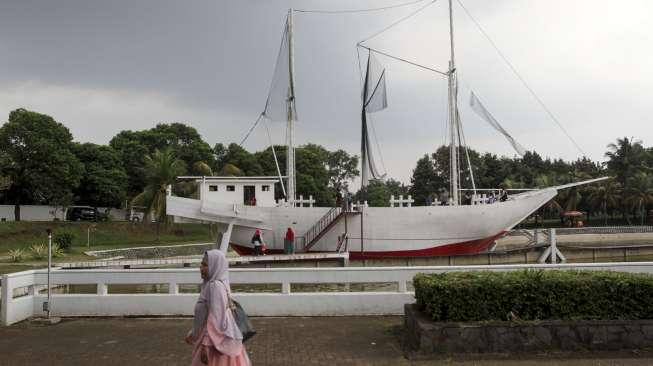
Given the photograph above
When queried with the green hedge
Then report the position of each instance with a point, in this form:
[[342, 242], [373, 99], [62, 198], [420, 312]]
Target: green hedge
[[534, 295]]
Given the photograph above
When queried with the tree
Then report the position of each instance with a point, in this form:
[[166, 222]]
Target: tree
[[235, 155], [313, 175], [161, 170], [378, 192], [104, 182], [626, 157], [37, 160], [424, 181], [184, 140], [639, 194], [605, 197], [342, 168]]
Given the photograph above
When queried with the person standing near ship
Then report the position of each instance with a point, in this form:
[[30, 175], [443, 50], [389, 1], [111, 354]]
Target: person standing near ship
[[289, 241], [257, 241]]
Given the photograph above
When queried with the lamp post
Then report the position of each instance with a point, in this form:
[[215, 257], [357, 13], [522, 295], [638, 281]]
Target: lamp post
[[46, 305]]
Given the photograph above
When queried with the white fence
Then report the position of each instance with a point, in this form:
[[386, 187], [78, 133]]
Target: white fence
[[21, 299]]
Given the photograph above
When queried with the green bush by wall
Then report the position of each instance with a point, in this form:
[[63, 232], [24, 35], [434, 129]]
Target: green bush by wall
[[534, 295]]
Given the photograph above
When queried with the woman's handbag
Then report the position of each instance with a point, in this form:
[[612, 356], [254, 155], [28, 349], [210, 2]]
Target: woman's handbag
[[242, 320]]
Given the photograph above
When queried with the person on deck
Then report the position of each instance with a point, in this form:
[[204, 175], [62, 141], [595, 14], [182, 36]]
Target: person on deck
[[257, 241], [215, 335], [289, 241]]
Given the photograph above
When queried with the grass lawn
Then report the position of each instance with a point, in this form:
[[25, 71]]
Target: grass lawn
[[104, 235]]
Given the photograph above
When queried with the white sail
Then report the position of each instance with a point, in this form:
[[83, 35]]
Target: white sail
[[374, 99], [477, 107], [281, 89]]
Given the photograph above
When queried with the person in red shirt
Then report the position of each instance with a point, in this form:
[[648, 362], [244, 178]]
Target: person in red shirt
[[289, 241]]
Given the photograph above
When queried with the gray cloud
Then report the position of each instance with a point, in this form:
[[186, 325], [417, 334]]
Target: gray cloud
[[100, 67]]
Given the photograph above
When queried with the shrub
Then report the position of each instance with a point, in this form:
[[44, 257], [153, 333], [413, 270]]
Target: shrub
[[16, 255], [39, 251], [534, 295], [57, 251], [64, 240]]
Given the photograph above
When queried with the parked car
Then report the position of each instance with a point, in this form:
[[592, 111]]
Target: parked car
[[82, 213]]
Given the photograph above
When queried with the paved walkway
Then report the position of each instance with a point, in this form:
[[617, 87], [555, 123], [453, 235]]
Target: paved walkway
[[281, 341]]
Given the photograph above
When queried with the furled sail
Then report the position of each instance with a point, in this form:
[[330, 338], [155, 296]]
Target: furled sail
[[477, 107], [374, 100], [277, 107]]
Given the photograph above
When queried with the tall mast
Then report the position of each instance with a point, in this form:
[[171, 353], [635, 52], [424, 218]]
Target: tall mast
[[453, 125], [290, 158]]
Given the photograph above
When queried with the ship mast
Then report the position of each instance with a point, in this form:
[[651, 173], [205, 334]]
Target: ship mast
[[453, 120], [290, 154]]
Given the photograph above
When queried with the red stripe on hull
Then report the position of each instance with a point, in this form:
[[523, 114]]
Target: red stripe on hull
[[465, 247]]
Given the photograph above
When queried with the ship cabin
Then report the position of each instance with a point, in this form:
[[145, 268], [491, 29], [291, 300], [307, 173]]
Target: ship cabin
[[250, 191]]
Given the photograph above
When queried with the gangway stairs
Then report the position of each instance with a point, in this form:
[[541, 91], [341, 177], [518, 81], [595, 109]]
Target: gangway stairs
[[324, 225]]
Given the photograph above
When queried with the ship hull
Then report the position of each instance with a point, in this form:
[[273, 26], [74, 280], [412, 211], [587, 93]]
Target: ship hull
[[376, 232]]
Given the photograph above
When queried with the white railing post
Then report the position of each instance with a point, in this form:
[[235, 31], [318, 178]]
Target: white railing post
[[403, 287], [102, 289], [285, 287], [392, 200], [410, 201], [7, 295], [173, 288]]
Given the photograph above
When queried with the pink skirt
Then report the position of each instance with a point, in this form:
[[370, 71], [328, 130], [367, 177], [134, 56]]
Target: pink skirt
[[221, 351], [220, 359]]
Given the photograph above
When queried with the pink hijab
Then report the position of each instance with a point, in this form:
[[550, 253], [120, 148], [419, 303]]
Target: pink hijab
[[214, 298]]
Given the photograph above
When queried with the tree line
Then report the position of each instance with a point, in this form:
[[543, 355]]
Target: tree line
[[40, 163]]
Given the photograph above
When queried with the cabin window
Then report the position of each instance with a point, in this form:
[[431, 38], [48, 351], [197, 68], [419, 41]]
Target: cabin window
[[265, 188], [231, 188], [213, 188]]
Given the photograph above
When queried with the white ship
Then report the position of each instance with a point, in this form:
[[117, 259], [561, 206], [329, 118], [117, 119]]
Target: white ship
[[246, 204]]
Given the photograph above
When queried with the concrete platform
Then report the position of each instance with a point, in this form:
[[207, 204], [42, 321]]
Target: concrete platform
[[257, 261], [280, 341]]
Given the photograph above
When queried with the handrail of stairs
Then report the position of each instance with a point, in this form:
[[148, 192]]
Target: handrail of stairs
[[314, 231]]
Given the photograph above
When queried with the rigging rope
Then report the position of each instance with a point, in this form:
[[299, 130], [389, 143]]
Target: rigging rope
[[403, 60], [251, 130], [399, 21], [512, 68], [357, 10]]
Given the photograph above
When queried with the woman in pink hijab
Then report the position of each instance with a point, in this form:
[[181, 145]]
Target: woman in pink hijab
[[216, 338]]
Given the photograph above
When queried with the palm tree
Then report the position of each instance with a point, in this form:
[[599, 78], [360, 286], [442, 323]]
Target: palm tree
[[189, 188], [571, 197], [639, 193], [161, 170], [605, 196], [625, 159], [544, 181]]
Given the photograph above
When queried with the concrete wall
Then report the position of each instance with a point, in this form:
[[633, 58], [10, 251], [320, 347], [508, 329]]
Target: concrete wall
[[423, 337], [49, 213]]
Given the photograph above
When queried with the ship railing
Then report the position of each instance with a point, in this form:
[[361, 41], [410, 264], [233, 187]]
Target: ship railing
[[334, 291], [591, 230]]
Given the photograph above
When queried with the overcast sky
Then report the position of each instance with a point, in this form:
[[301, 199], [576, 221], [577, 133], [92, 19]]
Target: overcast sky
[[101, 67]]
